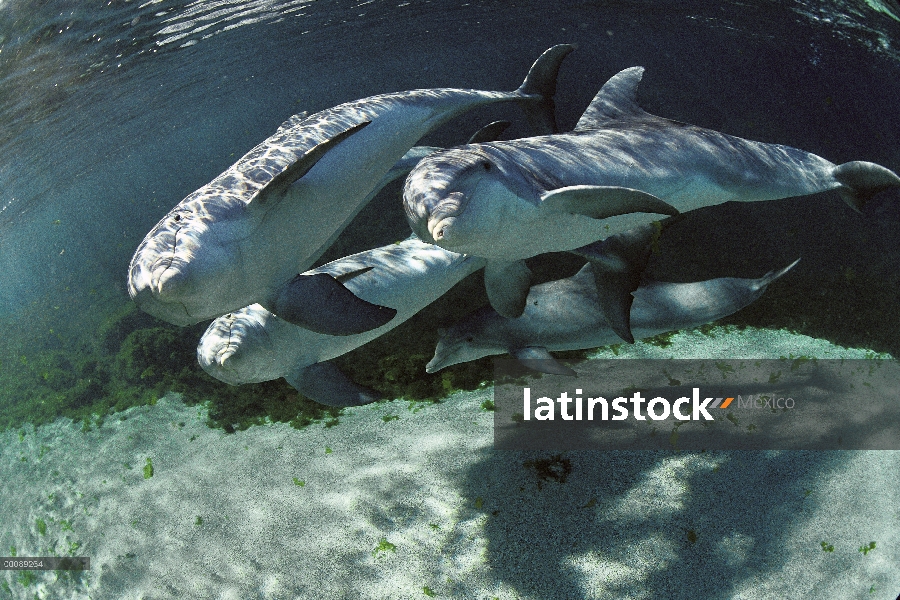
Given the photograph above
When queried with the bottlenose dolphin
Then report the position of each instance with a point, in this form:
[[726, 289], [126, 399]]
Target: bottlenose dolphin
[[510, 200], [563, 315], [244, 237], [253, 345]]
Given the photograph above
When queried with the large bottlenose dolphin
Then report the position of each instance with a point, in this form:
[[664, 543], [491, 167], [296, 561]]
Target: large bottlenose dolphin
[[510, 200], [563, 315], [253, 345], [244, 237]]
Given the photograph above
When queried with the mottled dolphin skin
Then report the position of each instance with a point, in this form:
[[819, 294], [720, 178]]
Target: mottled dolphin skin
[[253, 345], [244, 237], [563, 315], [510, 200]]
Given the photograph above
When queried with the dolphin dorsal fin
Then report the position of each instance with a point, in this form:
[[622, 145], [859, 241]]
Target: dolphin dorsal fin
[[616, 100]]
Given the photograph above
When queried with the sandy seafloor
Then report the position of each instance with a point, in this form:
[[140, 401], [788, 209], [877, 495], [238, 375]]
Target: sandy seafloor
[[222, 515]]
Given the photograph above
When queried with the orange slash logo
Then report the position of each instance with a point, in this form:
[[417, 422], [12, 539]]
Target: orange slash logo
[[724, 404]]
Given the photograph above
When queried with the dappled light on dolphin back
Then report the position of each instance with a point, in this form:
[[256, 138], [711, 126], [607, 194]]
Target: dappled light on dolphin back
[[620, 168], [244, 237]]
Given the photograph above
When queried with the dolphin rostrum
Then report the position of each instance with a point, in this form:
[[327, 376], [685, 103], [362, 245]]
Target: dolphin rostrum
[[253, 345], [244, 237], [564, 315], [510, 200]]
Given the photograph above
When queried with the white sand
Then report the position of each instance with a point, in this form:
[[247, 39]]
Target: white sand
[[464, 520]]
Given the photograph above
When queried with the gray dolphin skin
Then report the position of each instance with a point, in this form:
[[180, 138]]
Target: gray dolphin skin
[[253, 345], [244, 237], [563, 315], [510, 200]]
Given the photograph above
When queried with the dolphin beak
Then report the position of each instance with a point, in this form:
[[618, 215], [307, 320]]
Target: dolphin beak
[[445, 214], [157, 291], [169, 279], [440, 360], [438, 229], [222, 362], [224, 354], [433, 366]]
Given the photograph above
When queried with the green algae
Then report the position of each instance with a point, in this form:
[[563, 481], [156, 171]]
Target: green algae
[[866, 548], [133, 360], [383, 546]]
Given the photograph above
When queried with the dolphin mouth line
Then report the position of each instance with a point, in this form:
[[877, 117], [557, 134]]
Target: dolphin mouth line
[[445, 212], [163, 264], [439, 361], [228, 349]]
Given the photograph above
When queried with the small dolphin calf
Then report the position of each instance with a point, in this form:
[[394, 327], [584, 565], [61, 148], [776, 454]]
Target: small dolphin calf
[[510, 200], [563, 315], [253, 345], [244, 237]]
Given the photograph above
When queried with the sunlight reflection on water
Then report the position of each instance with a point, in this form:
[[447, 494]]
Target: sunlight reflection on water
[[208, 18]]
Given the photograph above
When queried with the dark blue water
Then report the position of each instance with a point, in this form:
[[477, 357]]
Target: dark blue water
[[111, 115]]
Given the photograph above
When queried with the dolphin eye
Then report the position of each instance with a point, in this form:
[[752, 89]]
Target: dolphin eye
[[177, 217], [486, 165], [470, 339]]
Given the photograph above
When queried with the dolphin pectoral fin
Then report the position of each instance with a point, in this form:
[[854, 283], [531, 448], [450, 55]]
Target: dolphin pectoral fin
[[326, 384], [601, 202], [617, 264], [489, 133], [278, 185], [507, 285], [861, 180], [537, 358], [540, 85], [322, 304]]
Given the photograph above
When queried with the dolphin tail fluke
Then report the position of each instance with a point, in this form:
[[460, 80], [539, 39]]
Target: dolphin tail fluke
[[618, 263], [324, 383], [507, 285], [540, 84], [537, 358], [763, 282], [861, 180], [322, 304]]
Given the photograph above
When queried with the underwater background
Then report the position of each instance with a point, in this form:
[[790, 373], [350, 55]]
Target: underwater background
[[112, 113]]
